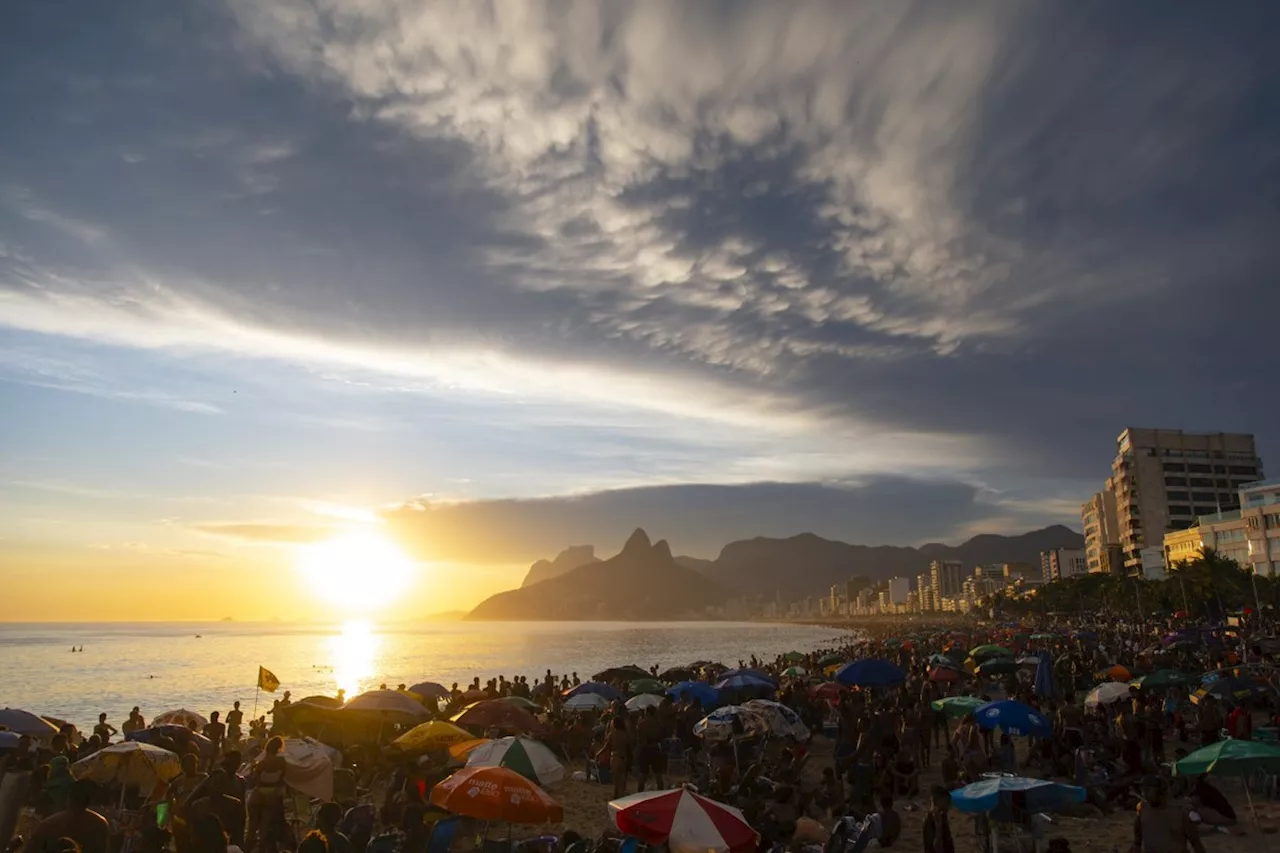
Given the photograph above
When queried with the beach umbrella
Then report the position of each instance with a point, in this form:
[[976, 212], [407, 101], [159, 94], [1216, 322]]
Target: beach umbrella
[[129, 763], [9, 740], [1115, 672], [678, 673], [828, 690], [430, 690], [586, 702], [795, 672], [308, 767], [943, 675], [719, 724], [1107, 693], [1231, 690], [996, 795], [646, 685], [1029, 661], [179, 717], [387, 706], [997, 666], [435, 734], [643, 700], [174, 738], [1232, 758], [496, 794], [828, 660], [1045, 685], [990, 650], [746, 687], [599, 688], [528, 757], [781, 719], [621, 673], [752, 673], [697, 690], [684, 821], [872, 672], [460, 751], [26, 723], [956, 707], [496, 714], [794, 657], [1162, 678], [1046, 638], [521, 702], [944, 661], [1013, 718]]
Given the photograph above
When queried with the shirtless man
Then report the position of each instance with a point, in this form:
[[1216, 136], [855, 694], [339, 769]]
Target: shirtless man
[[104, 730], [1161, 827], [235, 718], [77, 822], [649, 757]]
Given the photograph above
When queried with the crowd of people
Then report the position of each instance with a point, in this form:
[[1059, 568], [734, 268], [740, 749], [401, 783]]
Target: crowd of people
[[867, 757]]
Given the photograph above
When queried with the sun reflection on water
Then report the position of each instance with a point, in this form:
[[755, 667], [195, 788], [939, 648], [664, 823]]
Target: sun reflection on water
[[353, 651]]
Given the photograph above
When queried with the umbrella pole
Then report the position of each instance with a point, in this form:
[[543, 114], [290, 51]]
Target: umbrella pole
[[1248, 795]]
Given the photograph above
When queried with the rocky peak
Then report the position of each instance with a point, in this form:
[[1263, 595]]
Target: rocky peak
[[638, 543]]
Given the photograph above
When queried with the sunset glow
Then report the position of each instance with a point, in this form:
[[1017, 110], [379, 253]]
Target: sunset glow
[[355, 572]]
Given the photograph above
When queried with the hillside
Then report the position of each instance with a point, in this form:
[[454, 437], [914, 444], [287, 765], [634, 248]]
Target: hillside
[[808, 564], [642, 582], [573, 557]]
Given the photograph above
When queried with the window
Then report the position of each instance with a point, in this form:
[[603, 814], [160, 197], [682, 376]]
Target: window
[[1273, 519], [1179, 509], [1179, 496], [1200, 481], [1175, 466], [1252, 523], [1195, 468], [1244, 470], [1205, 497], [1174, 481]]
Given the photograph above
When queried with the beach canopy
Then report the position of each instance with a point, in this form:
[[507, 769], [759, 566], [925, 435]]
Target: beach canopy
[[686, 822], [528, 757], [496, 794], [697, 690], [872, 672], [26, 723], [1013, 718], [430, 690], [586, 702], [129, 763], [1230, 758], [435, 734], [599, 688], [642, 701], [996, 795], [179, 717], [1105, 694], [956, 707], [390, 706], [496, 714], [719, 724]]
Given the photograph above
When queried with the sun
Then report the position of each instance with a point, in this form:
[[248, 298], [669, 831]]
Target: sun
[[355, 572]]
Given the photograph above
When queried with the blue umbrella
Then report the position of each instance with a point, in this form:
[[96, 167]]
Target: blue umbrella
[[741, 687], [1013, 718], [750, 673], [430, 690], [997, 795], [1045, 687], [597, 687], [700, 691], [872, 672]]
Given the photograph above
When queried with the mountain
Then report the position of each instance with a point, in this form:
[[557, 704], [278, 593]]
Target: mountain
[[809, 565], [696, 563], [643, 581], [573, 557]]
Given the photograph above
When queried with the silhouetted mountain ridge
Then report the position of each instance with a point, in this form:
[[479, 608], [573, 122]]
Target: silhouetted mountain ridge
[[566, 561]]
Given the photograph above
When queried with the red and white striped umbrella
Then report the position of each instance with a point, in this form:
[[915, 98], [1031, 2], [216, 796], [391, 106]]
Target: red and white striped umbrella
[[687, 822]]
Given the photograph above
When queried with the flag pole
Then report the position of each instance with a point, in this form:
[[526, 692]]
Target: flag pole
[[256, 691]]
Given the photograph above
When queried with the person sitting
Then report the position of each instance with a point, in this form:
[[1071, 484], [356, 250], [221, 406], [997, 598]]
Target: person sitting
[[906, 775], [87, 828]]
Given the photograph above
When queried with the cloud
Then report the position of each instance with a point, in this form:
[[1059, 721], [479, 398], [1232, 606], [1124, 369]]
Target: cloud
[[698, 519], [907, 226], [270, 533]]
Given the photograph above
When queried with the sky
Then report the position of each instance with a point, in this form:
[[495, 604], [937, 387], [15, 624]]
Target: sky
[[533, 274]]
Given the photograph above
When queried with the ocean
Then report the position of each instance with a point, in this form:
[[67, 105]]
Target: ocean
[[206, 666]]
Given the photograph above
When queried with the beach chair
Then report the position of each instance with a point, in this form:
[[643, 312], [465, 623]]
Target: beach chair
[[597, 772], [442, 835]]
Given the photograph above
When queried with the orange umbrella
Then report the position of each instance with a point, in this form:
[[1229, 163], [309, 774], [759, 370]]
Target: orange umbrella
[[1116, 672], [461, 750], [496, 793]]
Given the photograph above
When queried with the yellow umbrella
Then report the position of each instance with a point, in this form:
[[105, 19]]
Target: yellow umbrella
[[435, 734], [460, 751], [129, 763]]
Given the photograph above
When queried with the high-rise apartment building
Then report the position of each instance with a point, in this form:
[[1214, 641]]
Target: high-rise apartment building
[[1062, 563], [1163, 480], [1102, 531], [947, 579], [1249, 535]]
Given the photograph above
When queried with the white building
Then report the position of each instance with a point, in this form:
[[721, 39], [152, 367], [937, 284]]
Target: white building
[[899, 589]]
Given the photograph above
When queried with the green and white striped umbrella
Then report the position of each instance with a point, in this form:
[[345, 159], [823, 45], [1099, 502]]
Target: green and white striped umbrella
[[526, 756]]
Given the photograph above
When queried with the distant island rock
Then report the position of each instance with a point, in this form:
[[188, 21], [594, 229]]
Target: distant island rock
[[227, 619], [643, 581], [573, 557]]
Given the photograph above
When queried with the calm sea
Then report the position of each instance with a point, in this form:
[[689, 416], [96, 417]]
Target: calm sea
[[205, 667]]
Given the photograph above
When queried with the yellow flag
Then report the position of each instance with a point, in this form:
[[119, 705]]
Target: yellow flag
[[267, 680]]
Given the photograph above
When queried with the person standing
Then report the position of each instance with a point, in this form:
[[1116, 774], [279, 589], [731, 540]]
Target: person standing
[[937, 823], [235, 718], [104, 730], [216, 732]]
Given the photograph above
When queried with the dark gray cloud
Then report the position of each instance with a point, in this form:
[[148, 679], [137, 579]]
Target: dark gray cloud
[[1024, 227], [695, 519]]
